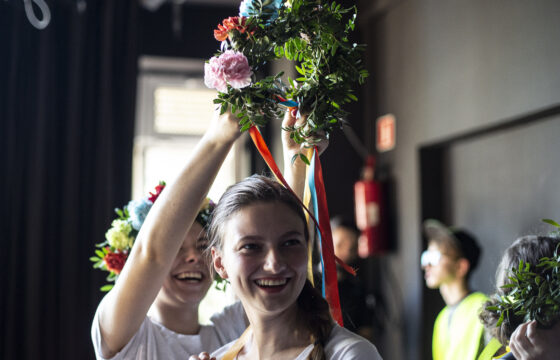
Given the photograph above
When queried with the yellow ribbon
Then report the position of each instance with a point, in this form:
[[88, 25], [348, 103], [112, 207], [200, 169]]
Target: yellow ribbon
[[306, 202], [238, 345]]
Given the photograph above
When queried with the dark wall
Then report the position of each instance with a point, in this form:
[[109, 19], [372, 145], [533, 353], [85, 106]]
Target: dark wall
[[195, 38], [446, 69], [342, 166], [502, 184]]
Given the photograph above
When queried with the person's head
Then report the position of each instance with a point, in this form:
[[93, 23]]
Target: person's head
[[345, 239], [258, 236], [189, 279], [258, 239], [529, 249], [452, 254]]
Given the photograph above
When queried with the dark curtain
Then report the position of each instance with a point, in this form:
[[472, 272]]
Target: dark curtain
[[67, 99]]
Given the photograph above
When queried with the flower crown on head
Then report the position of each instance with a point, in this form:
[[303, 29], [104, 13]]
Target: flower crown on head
[[205, 212], [111, 254]]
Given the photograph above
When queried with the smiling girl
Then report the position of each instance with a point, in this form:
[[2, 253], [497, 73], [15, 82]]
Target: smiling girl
[[152, 311], [259, 242]]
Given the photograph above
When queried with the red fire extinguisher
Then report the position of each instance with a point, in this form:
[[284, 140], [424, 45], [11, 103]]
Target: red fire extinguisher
[[368, 197]]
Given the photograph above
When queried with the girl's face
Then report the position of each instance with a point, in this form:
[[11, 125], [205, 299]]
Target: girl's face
[[189, 278], [264, 256]]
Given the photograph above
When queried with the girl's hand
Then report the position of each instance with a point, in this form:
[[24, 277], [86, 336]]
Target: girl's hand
[[292, 148], [294, 173], [528, 342], [223, 128]]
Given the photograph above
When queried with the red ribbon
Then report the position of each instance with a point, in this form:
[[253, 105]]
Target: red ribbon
[[327, 248], [331, 285]]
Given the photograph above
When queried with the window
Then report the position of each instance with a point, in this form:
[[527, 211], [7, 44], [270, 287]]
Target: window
[[174, 109]]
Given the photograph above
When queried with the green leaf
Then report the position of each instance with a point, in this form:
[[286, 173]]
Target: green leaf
[[291, 82], [107, 287], [294, 158], [304, 159], [278, 51], [551, 222], [100, 253], [333, 49], [500, 320], [246, 127]]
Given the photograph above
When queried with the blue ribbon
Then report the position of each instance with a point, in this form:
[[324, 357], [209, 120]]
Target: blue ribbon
[[313, 192]]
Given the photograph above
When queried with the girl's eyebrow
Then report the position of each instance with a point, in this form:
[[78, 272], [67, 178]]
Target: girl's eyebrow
[[249, 237], [258, 237], [292, 233]]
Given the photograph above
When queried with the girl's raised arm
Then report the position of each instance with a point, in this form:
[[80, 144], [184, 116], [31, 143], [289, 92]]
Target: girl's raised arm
[[124, 308]]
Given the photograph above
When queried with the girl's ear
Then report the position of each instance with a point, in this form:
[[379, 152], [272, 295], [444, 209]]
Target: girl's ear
[[218, 264]]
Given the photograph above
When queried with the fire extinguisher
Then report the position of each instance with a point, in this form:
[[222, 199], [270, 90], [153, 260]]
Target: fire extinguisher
[[368, 197]]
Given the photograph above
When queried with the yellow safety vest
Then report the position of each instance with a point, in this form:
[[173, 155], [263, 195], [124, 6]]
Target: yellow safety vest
[[462, 335]]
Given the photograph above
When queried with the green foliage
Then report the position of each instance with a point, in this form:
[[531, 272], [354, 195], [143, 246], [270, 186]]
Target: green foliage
[[220, 283], [556, 232], [316, 36], [533, 292]]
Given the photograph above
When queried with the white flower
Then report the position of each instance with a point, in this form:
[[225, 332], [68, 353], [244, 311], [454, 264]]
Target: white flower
[[118, 236]]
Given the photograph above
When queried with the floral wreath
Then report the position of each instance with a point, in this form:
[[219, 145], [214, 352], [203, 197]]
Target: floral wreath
[[534, 291], [111, 254], [314, 34]]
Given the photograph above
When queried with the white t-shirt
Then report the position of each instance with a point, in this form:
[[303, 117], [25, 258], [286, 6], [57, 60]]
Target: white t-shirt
[[342, 344], [154, 341]]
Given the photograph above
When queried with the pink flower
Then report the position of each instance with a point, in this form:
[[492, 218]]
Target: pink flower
[[231, 68]]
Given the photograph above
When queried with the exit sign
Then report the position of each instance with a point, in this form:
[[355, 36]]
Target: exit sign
[[385, 134]]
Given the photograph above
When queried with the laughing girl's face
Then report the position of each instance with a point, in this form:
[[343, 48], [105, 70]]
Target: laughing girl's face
[[189, 278], [264, 256]]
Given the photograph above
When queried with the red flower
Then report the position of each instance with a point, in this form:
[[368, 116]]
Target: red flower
[[238, 23], [153, 196], [115, 261], [221, 33]]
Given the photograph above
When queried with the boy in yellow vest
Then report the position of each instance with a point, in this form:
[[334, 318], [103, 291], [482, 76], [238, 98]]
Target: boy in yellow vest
[[451, 257]]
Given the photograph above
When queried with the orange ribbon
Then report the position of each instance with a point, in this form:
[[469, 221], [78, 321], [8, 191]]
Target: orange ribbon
[[331, 285]]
